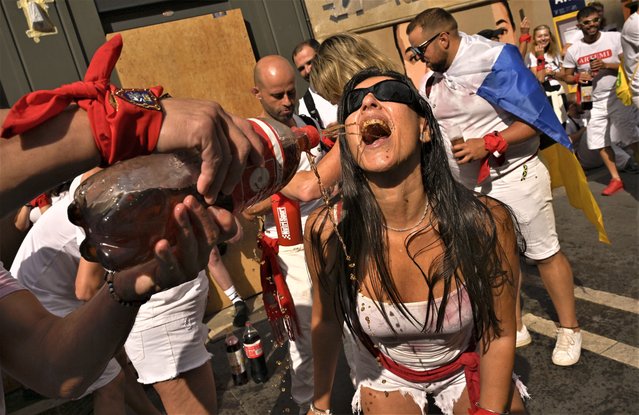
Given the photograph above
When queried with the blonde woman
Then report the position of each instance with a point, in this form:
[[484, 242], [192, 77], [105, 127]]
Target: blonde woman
[[544, 60], [339, 58]]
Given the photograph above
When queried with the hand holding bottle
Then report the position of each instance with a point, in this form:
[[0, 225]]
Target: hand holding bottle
[[585, 77], [524, 27], [226, 142], [596, 65], [173, 264]]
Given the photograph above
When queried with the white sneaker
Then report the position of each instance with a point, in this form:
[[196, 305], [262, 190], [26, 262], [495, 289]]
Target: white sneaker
[[523, 337], [568, 347]]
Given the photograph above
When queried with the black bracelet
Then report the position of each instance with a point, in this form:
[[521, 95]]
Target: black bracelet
[[108, 277]]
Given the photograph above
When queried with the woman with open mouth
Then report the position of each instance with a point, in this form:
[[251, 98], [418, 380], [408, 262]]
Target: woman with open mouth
[[422, 271]]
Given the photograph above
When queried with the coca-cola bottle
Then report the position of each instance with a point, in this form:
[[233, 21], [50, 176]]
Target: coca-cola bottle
[[126, 208], [236, 358], [584, 90], [584, 93], [255, 353]]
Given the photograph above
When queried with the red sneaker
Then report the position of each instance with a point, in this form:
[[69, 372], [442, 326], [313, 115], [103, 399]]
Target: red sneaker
[[613, 187]]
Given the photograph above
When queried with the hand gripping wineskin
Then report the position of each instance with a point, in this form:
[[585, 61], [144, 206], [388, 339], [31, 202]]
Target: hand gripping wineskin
[[255, 354], [126, 208]]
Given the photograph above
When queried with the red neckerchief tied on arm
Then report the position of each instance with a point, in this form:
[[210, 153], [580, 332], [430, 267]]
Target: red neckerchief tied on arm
[[124, 122]]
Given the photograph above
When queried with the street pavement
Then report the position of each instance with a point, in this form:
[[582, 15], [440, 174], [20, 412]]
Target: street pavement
[[604, 381]]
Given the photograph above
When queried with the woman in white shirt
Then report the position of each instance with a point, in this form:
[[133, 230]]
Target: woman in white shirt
[[544, 60]]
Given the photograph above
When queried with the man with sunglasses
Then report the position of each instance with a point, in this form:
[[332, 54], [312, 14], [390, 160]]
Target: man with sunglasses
[[595, 58], [483, 90]]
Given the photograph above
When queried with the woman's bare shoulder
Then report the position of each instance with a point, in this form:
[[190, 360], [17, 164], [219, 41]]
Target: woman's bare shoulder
[[321, 223]]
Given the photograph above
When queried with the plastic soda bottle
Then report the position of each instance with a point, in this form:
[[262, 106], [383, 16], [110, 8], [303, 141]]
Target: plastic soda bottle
[[126, 208], [236, 358], [255, 354]]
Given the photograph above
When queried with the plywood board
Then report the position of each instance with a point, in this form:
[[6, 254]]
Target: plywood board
[[203, 57]]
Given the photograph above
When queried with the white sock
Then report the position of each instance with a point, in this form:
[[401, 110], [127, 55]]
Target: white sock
[[233, 295]]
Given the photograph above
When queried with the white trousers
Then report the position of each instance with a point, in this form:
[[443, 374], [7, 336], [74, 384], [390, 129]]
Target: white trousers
[[293, 264]]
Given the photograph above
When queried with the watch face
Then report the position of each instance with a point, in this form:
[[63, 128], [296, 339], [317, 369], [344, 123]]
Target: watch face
[[140, 97], [259, 179]]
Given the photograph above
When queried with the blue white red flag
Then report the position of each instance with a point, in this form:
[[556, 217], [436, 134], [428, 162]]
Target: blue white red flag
[[499, 75]]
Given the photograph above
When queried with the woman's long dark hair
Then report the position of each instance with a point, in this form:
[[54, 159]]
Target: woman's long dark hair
[[463, 222]]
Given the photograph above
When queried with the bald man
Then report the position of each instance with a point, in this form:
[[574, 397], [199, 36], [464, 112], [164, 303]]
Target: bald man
[[275, 88]]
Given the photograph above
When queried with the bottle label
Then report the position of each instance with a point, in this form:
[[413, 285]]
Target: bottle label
[[586, 93], [253, 350], [259, 182], [236, 361]]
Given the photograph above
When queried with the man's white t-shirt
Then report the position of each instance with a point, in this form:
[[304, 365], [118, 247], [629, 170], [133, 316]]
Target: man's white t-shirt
[[454, 105], [326, 110], [47, 260], [606, 48]]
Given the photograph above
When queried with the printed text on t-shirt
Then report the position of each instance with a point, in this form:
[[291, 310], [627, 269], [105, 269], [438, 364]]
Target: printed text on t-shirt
[[584, 60]]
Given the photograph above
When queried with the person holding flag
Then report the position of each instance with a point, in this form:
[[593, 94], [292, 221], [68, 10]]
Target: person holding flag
[[491, 107]]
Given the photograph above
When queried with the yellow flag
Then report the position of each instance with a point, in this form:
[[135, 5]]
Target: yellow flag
[[566, 171]]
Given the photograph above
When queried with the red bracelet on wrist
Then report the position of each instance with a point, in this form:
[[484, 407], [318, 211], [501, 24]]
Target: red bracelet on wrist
[[525, 38], [124, 122], [496, 146], [41, 200]]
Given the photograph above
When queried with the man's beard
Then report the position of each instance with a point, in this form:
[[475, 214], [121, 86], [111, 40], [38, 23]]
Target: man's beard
[[437, 67]]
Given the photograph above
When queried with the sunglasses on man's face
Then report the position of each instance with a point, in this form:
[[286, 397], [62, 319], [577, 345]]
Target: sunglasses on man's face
[[420, 50], [587, 22], [390, 90]]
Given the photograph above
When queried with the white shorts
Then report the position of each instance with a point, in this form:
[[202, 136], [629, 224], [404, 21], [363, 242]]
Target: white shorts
[[445, 393], [163, 352], [611, 121], [168, 337], [527, 191]]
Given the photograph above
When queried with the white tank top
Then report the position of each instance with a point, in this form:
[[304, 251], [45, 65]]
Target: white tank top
[[408, 344]]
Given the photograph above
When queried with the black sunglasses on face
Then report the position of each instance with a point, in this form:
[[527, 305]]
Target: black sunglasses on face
[[419, 50], [587, 22], [390, 90]]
